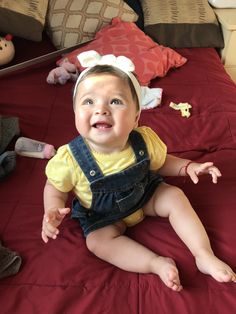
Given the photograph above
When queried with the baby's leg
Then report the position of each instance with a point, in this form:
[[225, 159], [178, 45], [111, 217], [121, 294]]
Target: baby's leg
[[169, 201], [110, 244]]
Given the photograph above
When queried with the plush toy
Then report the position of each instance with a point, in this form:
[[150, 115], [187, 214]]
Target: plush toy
[[7, 50], [64, 72], [183, 107]]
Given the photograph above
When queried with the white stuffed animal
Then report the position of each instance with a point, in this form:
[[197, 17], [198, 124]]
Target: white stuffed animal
[[7, 49]]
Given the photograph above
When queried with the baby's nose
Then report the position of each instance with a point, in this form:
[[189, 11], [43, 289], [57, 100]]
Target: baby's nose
[[102, 109]]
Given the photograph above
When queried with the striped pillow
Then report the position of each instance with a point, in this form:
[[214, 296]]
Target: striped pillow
[[182, 23]]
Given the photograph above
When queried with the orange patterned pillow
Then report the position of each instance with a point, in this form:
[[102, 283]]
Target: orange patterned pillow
[[125, 38]]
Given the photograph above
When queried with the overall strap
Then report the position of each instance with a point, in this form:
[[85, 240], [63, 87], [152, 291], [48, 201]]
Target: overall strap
[[85, 159], [138, 145], [87, 163]]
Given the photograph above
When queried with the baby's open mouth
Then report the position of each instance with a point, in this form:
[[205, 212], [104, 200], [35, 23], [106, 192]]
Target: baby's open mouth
[[101, 125]]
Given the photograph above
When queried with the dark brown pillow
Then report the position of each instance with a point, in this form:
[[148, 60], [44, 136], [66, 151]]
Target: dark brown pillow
[[182, 23], [24, 19]]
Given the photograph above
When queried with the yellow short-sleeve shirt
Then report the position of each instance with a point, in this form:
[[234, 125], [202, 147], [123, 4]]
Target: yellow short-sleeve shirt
[[65, 174]]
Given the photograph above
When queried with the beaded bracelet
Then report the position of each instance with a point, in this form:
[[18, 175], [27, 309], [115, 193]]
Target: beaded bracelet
[[185, 168]]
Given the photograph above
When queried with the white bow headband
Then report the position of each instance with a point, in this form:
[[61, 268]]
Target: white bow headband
[[91, 58]]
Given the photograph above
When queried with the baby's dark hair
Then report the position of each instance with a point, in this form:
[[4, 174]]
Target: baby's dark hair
[[101, 69]]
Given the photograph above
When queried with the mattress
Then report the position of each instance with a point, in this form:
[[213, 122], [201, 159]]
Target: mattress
[[63, 276]]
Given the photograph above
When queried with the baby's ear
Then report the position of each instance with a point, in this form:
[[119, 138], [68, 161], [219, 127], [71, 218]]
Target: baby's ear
[[136, 120]]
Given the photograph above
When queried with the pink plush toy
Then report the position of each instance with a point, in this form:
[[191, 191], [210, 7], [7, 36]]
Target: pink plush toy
[[64, 72]]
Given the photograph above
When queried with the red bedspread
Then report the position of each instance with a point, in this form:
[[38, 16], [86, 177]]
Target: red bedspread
[[63, 276]]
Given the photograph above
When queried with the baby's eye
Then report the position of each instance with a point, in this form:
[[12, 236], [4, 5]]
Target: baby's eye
[[116, 101], [88, 101]]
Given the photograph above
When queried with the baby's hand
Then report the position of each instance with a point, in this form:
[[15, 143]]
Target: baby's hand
[[196, 169], [51, 221]]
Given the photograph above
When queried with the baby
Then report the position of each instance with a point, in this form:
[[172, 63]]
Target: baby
[[116, 170]]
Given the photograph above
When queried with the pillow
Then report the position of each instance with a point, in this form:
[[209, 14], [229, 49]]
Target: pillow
[[182, 23], [70, 22], [22, 18], [125, 38], [223, 3]]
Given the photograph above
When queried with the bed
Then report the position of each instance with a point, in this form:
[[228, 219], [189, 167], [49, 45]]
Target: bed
[[63, 276]]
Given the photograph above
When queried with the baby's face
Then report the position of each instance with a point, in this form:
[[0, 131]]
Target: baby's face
[[105, 112]]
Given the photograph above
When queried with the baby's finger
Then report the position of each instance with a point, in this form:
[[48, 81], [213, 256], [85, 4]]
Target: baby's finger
[[50, 233], [194, 177], [49, 228], [217, 172], [204, 168], [44, 237], [64, 211], [206, 165], [214, 176]]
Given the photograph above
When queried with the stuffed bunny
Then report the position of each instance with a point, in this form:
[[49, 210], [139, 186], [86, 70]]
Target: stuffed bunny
[[64, 72]]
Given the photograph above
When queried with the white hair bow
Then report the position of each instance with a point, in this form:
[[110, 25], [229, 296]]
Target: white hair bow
[[91, 58], [148, 97]]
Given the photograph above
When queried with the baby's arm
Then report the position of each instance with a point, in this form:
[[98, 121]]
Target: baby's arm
[[54, 211], [174, 166]]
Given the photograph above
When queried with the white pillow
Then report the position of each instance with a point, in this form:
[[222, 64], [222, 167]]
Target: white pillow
[[223, 3]]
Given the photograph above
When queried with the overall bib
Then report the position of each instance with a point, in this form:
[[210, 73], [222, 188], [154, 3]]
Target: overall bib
[[117, 195]]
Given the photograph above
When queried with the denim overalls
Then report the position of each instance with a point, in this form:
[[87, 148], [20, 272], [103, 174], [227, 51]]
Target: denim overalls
[[117, 195]]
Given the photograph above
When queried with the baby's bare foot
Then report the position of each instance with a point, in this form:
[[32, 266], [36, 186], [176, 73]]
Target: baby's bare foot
[[166, 269], [209, 264]]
